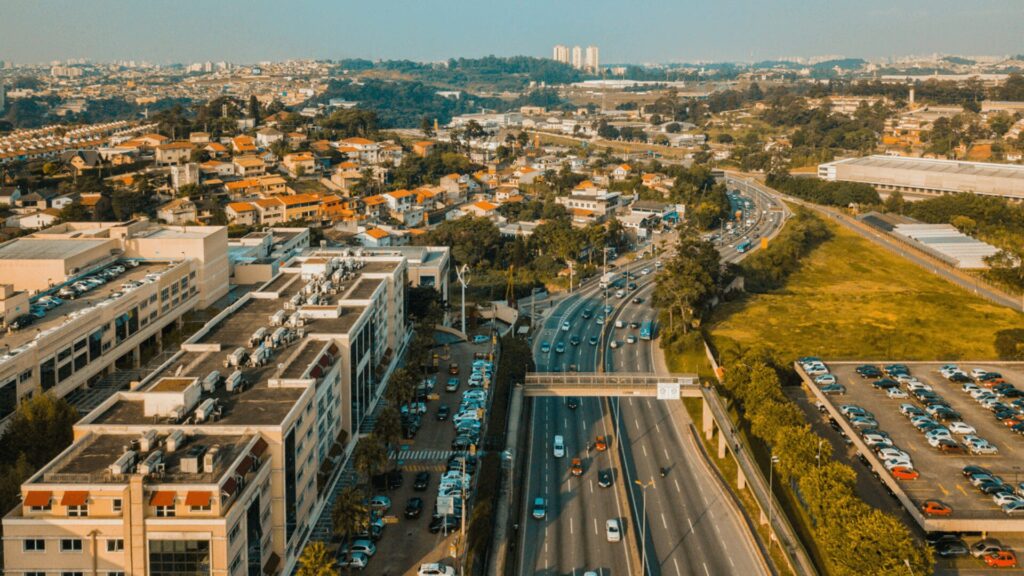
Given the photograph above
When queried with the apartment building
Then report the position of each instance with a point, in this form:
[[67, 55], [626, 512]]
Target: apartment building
[[168, 272], [210, 465]]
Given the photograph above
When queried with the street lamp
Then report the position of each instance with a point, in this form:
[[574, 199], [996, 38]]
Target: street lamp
[[462, 274], [818, 457], [771, 496], [643, 530]]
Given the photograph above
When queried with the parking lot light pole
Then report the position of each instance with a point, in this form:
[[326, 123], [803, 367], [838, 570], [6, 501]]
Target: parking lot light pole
[[643, 530], [771, 496]]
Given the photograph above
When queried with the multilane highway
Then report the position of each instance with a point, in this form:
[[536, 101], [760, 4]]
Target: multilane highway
[[690, 528]]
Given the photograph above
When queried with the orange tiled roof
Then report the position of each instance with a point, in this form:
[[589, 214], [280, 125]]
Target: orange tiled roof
[[376, 233], [399, 194], [358, 141], [485, 206], [239, 207], [299, 199], [375, 200], [268, 202]]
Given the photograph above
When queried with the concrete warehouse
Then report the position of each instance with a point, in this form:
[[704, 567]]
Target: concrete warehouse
[[927, 177]]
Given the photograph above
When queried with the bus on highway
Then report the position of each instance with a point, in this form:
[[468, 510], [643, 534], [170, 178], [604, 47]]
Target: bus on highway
[[646, 330], [743, 246]]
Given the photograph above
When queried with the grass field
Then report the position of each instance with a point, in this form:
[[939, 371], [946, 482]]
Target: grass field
[[853, 300]]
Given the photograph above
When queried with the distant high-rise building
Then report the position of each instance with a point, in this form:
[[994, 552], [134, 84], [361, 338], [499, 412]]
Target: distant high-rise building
[[3, 96], [593, 62], [577, 57], [561, 54]]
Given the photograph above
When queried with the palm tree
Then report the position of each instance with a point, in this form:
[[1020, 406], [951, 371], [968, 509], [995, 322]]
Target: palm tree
[[350, 515], [316, 561], [401, 388], [389, 426], [370, 456]]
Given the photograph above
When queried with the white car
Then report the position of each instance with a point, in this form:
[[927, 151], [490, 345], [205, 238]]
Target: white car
[[979, 392], [1004, 499], [559, 447], [895, 393], [356, 560], [961, 428], [970, 387], [938, 433], [612, 530], [565, 326], [978, 373], [891, 463], [915, 385], [435, 569], [982, 448], [825, 379], [934, 441], [893, 453], [873, 439]]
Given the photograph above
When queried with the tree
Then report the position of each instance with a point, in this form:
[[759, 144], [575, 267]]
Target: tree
[[389, 426], [895, 203], [40, 428], [370, 456], [401, 387], [426, 126], [316, 560], [351, 514], [254, 109]]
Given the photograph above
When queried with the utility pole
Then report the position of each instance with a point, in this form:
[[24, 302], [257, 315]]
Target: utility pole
[[643, 530], [771, 499], [462, 274]]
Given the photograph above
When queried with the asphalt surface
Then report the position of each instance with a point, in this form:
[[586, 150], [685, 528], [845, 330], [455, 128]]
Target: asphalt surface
[[690, 529]]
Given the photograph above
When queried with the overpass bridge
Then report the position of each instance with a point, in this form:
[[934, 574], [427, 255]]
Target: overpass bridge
[[628, 384]]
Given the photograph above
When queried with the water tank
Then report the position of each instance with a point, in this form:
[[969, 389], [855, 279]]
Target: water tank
[[152, 463], [205, 410], [192, 461], [210, 459], [175, 440], [147, 441], [235, 381], [123, 464]]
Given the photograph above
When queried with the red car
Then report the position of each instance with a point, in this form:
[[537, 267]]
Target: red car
[[935, 508], [1002, 559], [904, 473]]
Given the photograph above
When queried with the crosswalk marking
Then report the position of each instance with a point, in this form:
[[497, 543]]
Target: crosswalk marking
[[421, 454]]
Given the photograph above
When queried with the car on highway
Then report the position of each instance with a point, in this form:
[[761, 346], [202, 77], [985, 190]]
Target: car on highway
[[612, 530], [545, 347], [442, 412], [630, 339], [572, 403], [575, 340], [540, 509], [559, 347], [599, 320], [604, 478], [558, 446], [587, 313], [592, 341], [600, 444], [577, 467], [435, 569], [565, 325], [453, 385]]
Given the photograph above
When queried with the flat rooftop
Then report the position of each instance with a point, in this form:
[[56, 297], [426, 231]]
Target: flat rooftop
[[58, 316], [90, 461], [987, 169], [940, 474], [47, 248]]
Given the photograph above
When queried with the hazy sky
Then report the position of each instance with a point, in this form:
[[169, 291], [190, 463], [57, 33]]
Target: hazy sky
[[626, 30]]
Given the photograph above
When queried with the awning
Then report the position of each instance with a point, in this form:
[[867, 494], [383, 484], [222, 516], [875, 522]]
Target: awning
[[229, 487], [74, 498], [198, 498], [244, 466], [273, 561], [38, 499], [259, 448], [162, 498], [325, 361]]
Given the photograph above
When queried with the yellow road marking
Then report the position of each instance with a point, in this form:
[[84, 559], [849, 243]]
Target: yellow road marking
[[961, 488], [943, 488]]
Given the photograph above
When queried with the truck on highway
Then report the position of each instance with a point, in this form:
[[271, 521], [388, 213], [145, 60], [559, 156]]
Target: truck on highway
[[607, 279], [647, 330], [743, 246]]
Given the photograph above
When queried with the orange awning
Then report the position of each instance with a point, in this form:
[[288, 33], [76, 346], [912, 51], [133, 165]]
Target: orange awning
[[38, 499], [196, 498], [74, 498], [162, 498]]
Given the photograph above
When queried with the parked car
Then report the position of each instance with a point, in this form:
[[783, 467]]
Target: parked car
[[414, 507], [435, 569], [935, 508], [1001, 559], [421, 482]]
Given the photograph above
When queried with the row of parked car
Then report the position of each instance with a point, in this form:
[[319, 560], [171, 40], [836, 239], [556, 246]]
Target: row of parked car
[[1004, 400], [468, 418], [42, 305], [989, 550]]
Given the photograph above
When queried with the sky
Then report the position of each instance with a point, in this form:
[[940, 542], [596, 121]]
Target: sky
[[626, 31]]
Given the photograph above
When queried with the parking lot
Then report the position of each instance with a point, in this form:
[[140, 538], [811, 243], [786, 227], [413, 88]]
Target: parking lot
[[939, 474], [407, 542]]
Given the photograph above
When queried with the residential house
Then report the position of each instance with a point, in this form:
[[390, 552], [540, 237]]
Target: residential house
[[295, 138], [249, 166], [201, 138], [271, 210], [216, 149], [173, 153], [375, 206], [268, 135], [82, 161], [243, 144], [35, 220], [300, 207], [299, 164], [481, 209], [178, 211], [217, 168], [503, 193], [9, 195], [374, 238], [589, 198], [423, 148], [151, 141], [243, 213]]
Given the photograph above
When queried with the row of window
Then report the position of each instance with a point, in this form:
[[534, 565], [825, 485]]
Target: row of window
[[68, 545], [73, 573], [81, 511]]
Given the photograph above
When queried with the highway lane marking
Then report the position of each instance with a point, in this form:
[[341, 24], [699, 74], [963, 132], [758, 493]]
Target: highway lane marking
[[731, 563], [706, 568], [591, 482], [676, 564], [636, 423], [666, 453], [690, 522], [595, 526], [663, 522], [656, 427], [644, 446], [676, 482], [570, 527]]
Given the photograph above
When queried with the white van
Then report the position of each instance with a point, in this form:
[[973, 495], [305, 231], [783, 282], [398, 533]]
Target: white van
[[559, 447]]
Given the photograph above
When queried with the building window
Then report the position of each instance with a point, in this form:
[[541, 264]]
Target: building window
[[34, 545], [115, 573], [165, 511], [116, 504], [70, 574], [70, 545], [78, 511], [206, 508], [115, 545], [179, 557], [35, 573]]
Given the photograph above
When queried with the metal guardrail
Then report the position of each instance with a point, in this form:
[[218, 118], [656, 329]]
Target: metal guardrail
[[616, 384]]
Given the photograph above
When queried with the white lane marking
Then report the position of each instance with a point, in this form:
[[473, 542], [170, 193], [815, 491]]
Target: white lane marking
[[570, 526], [656, 427], [676, 482], [733, 564], [565, 422], [584, 424], [665, 450], [591, 482], [645, 449], [676, 564], [706, 568], [663, 522], [690, 522], [636, 423], [595, 526]]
